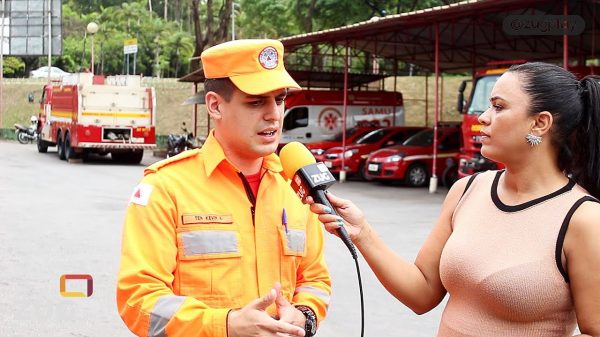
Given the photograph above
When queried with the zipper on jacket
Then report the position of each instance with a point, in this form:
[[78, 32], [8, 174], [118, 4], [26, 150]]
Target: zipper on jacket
[[250, 195]]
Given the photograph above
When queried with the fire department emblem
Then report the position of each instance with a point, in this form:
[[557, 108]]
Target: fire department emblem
[[268, 58], [141, 194]]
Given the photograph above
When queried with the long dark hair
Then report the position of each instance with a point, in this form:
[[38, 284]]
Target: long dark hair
[[575, 107]]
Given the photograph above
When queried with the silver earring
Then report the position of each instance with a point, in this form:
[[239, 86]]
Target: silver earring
[[533, 140]]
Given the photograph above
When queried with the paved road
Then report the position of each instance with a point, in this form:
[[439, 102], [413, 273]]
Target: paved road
[[58, 218]]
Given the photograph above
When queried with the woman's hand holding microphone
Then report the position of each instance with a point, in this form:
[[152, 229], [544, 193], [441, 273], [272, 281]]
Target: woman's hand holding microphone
[[350, 217]]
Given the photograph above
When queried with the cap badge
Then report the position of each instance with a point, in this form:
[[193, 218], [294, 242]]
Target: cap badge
[[268, 58]]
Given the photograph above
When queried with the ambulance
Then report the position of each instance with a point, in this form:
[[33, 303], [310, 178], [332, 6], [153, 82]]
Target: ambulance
[[317, 115]]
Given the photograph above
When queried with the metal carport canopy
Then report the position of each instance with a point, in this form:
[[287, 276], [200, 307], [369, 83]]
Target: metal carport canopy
[[466, 36], [472, 33]]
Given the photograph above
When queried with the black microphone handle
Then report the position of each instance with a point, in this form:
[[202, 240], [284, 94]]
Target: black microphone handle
[[320, 197]]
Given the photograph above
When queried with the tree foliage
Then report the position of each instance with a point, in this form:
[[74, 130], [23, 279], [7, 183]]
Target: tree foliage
[[172, 33], [13, 66]]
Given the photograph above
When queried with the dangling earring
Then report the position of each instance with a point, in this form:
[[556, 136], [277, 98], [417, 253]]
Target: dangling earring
[[533, 140]]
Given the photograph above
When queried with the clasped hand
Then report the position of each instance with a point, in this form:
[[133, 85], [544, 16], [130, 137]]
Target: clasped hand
[[252, 320]]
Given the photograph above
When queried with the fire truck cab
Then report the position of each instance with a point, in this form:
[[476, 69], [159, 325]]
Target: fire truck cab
[[470, 158], [85, 113]]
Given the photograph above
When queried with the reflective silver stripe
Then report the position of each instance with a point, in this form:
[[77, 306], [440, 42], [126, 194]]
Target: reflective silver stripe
[[295, 240], [209, 242], [163, 311], [325, 297]]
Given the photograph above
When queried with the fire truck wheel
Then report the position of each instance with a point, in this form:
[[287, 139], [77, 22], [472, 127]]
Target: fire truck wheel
[[135, 157], [42, 146], [129, 157], [60, 147], [416, 175], [69, 152], [450, 176]]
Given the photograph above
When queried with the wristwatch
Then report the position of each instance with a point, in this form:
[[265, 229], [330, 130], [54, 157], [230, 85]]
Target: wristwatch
[[310, 327]]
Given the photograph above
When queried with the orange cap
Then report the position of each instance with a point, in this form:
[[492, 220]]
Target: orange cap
[[254, 66]]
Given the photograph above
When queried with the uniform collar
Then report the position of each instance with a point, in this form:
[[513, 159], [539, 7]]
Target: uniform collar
[[214, 155]]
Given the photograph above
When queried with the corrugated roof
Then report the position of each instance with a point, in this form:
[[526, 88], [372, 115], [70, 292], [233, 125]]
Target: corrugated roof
[[472, 33]]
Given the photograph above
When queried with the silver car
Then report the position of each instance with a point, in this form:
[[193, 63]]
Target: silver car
[[42, 72]]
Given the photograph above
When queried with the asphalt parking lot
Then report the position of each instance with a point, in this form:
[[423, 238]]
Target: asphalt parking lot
[[58, 218]]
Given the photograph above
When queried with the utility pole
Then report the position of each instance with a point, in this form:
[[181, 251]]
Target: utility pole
[[2, 64], [49, 39], [232, 20]]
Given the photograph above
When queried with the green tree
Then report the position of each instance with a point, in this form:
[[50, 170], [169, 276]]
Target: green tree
[[180, 47], [277, 18], [170, 32], [13, 67], [265, 19], [91, 6], [117, 23]]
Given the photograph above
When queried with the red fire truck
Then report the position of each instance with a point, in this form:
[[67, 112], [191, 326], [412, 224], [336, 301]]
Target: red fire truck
[[470, 158], [85, 113]]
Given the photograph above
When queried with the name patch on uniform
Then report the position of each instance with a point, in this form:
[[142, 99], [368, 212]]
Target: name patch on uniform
[[191, 219]]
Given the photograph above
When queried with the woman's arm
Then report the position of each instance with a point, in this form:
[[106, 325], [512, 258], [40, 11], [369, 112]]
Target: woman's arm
[[582, 253], [417, 284]]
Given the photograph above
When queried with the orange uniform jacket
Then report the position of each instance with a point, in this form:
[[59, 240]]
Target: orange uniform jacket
[[195, 246]]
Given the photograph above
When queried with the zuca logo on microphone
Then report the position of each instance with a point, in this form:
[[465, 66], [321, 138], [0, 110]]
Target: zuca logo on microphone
[[311, 177], [80, 279], [323, 177]]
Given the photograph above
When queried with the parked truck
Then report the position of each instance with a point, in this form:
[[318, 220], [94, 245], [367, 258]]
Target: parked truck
[[470, 159], [317, 115], [85, 113]]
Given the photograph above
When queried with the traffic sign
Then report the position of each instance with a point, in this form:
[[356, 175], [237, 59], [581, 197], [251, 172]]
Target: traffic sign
[[130, 46]]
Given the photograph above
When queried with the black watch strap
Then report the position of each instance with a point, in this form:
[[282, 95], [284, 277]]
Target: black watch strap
[[310, 327]]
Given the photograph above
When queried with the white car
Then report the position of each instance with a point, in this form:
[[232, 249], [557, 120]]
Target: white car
[[42, 72]]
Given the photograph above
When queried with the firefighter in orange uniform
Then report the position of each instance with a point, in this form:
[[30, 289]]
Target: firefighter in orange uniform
[[215, 241]]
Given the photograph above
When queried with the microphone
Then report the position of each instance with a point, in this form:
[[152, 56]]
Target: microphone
[[310, 178]]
